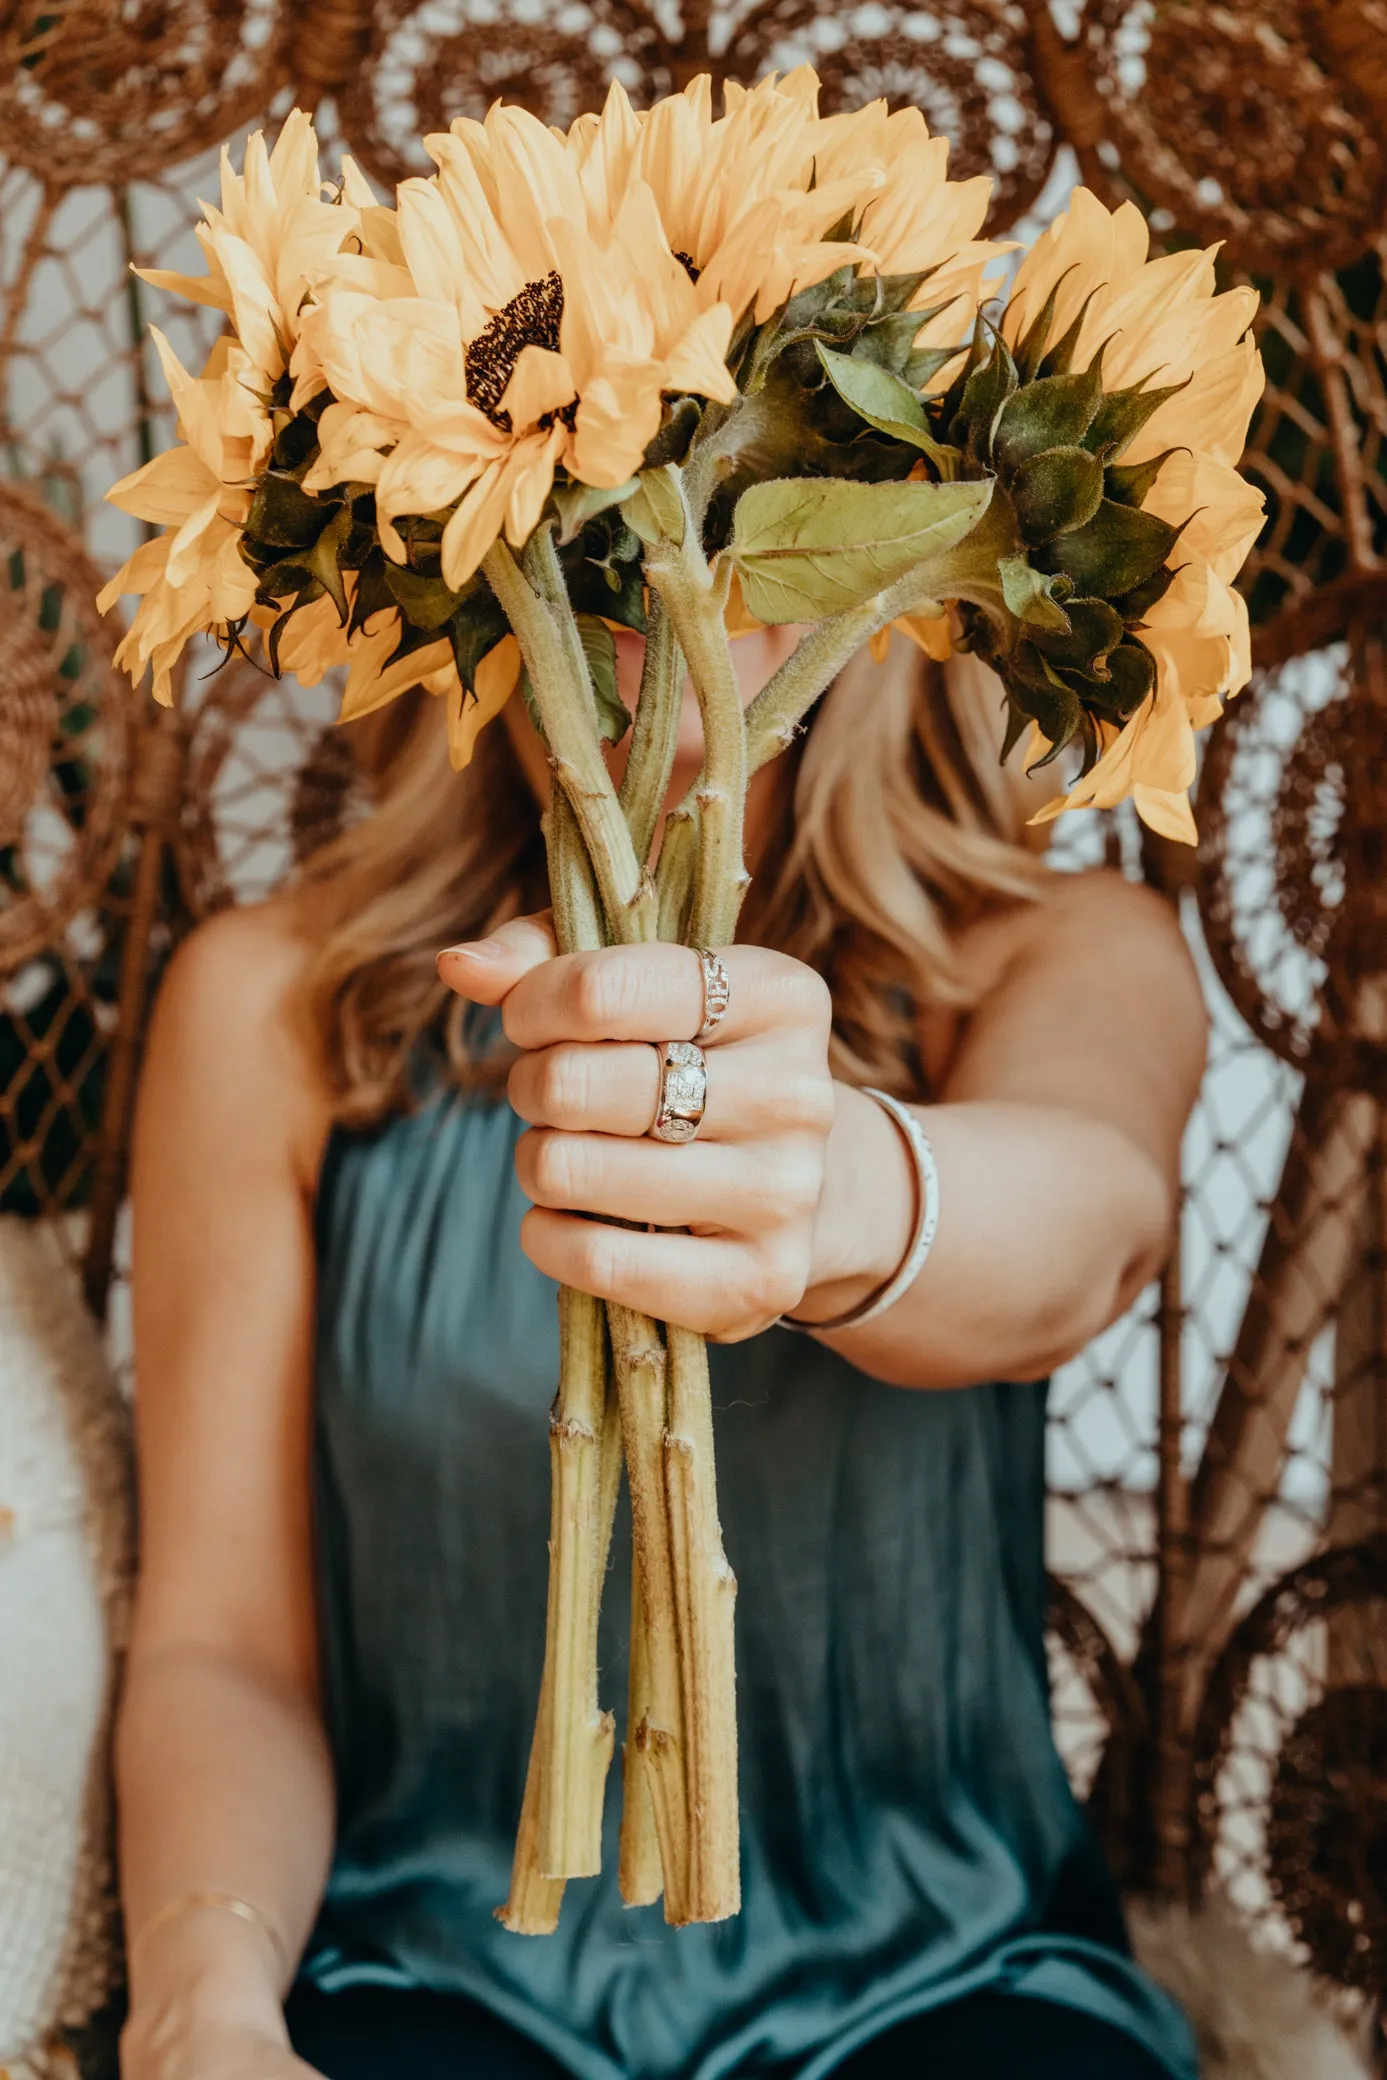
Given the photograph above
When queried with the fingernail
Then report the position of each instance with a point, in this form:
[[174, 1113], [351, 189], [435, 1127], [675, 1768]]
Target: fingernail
[[472, 950]]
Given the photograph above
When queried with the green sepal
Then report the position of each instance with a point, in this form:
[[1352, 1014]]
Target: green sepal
[[308, 573], [1045, 698], [1118, 548], [1131, 676], [1135, 605], [890, 343], [599, 651], [373, 595], [1059, 359], [677, 429], [1094, 632], [1030, 348], [1054, 412], [1031, 595], [424, 601], [1055, 491], [474, 630], [887, 404], [1121, 416], [1128, 483], [282, 516], [985, 397]]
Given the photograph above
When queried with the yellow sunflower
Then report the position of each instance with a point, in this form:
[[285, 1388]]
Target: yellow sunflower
[[533, 341], [192, 576], [1162, 325]]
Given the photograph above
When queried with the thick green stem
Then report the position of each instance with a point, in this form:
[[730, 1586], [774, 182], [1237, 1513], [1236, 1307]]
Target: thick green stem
[[564, 701], [578, 1751], [693, 601], [705, 1595], [655, 1736], [655, 732], [560, 1831], [674, 875]]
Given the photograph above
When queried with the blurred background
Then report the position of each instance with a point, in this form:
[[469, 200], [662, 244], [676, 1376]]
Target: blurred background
[[1218, 1530]]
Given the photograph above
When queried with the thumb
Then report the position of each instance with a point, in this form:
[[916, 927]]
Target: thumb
[[486, 970]]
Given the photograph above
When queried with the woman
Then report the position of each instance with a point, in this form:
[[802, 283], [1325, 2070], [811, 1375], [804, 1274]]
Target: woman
[[347, 1345]]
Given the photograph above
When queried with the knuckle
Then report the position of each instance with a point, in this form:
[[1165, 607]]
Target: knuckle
[[803, 1101], [802, 1182], [604, 993], [603, 1259], [776, 1282], [551, 1169], [563, 1086]]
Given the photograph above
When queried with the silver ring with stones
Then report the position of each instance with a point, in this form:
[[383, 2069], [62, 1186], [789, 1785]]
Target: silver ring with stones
[[683, 1091], [717, 992]]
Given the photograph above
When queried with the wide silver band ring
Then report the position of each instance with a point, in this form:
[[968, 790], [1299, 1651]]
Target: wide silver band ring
[[717, 992], [683, 1091]]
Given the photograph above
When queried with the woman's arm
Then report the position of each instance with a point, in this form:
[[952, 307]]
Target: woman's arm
[[1057, 1137], [223, 1774]]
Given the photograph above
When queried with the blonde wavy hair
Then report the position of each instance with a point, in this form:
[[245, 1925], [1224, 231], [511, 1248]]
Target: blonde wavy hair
[[894, 824]]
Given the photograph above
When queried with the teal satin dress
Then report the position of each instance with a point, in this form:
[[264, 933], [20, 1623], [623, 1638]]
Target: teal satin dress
[[908, 1833]]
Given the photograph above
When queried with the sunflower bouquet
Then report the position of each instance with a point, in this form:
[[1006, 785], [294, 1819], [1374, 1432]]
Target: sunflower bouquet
[[686, 372]]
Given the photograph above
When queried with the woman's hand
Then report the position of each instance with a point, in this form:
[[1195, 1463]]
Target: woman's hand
[[747, 1190]]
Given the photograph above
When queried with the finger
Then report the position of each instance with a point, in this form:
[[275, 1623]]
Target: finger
[[736, 1190], [755, 1088], [483, 970], [656, 993], [717, 1286]]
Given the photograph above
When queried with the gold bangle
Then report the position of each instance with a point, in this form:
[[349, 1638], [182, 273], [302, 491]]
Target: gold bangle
[[223, 1902]]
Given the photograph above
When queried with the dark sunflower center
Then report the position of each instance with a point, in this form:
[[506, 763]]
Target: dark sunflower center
[[531, 319], [686, 261]]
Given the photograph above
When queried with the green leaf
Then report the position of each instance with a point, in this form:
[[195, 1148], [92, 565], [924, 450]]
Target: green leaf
[[1120, 418], [1118, 548], [886, 403], [284, 517], [1030, 594], [655, 509], [599, 649], [425, 601], [576, 504], [1055, 412], [811, 546], [1058, 489]]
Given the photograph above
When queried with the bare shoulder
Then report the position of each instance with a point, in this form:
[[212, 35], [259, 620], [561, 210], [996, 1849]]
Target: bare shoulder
[[1095, 966], [1097, 912], [229, 1049]]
